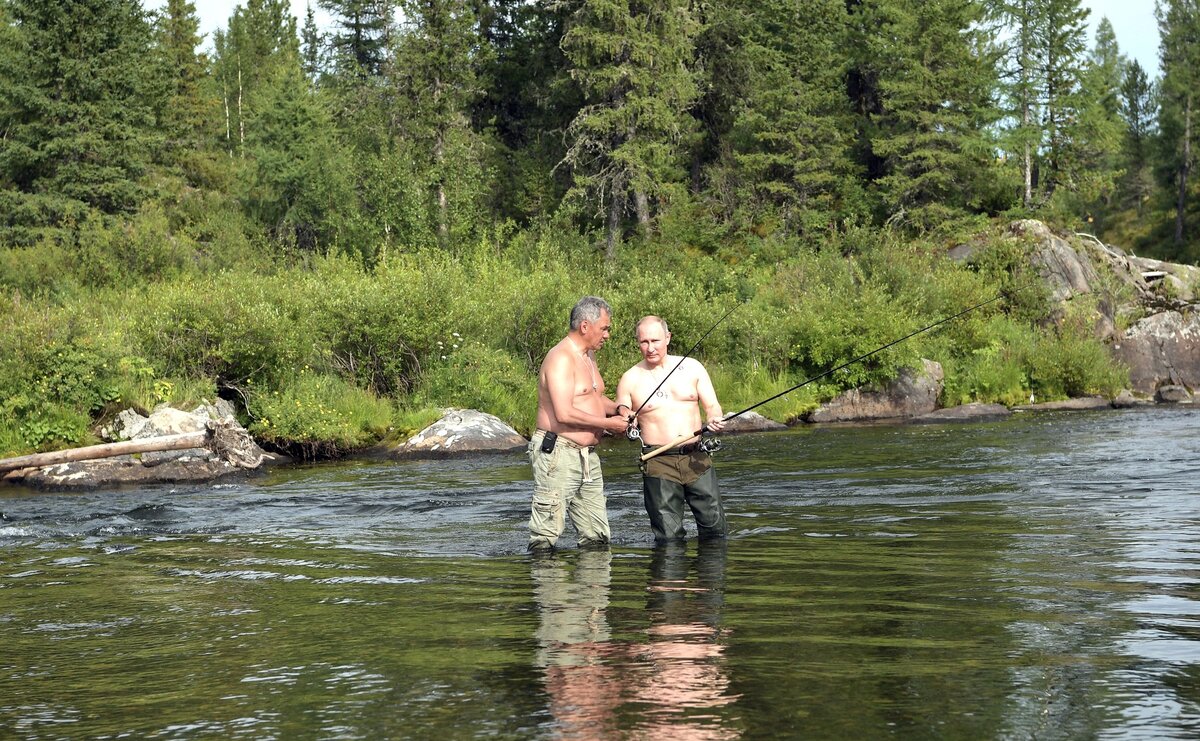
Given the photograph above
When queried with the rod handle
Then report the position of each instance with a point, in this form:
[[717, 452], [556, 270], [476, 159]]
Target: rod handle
[[671, 445]]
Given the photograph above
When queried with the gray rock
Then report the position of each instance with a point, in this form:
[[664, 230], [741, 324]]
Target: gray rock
[[1082, 404], [1173, 395], [910, 395], [127, 425], [1067, 271], [461, 432], [109, 472], [965, 413], [170, 421], [751, 422], [222, 409], [1126, 400], [1162, 349]]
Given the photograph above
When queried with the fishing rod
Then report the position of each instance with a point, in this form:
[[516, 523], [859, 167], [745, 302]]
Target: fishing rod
[[634, 433], [727, 417]]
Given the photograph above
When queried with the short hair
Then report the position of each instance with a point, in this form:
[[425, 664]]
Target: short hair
[[651, 318], [588, 309]]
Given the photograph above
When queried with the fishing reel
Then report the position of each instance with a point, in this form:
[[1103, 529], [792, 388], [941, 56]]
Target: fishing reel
[[633, 433], [710, 444]]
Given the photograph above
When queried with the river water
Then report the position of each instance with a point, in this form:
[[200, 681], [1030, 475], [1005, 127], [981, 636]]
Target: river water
[[1037, 577]]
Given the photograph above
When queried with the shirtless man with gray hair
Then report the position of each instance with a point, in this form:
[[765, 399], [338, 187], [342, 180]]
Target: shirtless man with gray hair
[[684, 473], [573, 413]]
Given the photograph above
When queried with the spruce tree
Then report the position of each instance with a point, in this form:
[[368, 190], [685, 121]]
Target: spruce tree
[[790, 140], [311, 41], [629, 141], [189, 112], [1139, 110], [1063, 36], [77, 114], [1179, 32], [1016, 24], [1095, 139], [434, 88], [362, 33], [525, 103], [935, 84], [301, 188]]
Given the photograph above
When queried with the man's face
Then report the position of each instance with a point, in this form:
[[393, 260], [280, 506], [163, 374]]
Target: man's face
[[595, 333], [653, 341]]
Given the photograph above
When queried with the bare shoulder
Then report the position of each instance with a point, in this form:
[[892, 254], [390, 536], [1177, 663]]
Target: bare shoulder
[[692, 367], [633, 373], [556, 366]]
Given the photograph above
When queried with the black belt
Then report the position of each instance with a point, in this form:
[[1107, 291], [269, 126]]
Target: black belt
[[681, 450]]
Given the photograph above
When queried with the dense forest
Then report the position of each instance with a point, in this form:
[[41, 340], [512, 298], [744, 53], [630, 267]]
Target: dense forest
[[344, 228]]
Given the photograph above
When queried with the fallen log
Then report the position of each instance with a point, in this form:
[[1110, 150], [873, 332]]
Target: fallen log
[[225, 439], [107, 450]]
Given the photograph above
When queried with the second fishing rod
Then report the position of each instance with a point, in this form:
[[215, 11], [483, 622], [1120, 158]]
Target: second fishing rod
[[664, 448]]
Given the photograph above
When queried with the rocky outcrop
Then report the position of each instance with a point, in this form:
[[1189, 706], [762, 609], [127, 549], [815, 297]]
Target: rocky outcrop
[[1156, 300], [461, 432], [1161, 350], [911, 394]]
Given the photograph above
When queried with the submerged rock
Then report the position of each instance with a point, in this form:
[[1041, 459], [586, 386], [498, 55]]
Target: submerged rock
[[126, 471], [462, 432]]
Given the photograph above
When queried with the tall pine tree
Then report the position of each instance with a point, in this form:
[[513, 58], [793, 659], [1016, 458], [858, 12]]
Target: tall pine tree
[[1094, 144], [78, 113], [935, 84], [188, 115], [790, 141], [362, 33], [1179, 31], [629, 141], [1139, 110], [434, 85]]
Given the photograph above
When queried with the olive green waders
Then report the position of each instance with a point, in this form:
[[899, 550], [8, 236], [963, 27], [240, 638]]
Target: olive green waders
[[684, 474]]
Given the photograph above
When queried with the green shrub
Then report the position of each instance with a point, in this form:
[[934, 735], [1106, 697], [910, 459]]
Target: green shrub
[[316, 415], [995, 371], [473, 376]]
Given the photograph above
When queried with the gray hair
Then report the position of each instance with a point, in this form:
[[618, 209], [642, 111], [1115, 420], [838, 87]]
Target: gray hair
[[651, 318], [589, 309]]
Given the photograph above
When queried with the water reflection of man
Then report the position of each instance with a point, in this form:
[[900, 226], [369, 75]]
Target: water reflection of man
[[666, 686], [686, 646], [573, 643]]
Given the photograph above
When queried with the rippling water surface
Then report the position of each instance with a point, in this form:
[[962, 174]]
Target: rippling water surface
[[1030, 578]]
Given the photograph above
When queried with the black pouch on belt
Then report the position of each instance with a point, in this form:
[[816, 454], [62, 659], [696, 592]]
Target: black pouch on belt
[[548, 441]]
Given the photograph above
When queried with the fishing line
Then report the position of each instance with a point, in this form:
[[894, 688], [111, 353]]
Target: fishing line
[[807, 381]]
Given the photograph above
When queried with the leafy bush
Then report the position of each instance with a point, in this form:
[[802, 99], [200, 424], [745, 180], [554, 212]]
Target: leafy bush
[[315, 415], [473, 376]]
